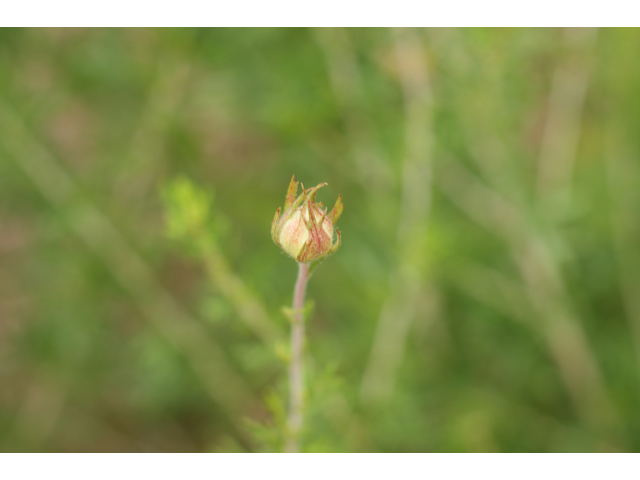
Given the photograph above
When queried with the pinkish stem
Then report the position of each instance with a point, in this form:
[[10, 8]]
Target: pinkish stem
[[296, 379]]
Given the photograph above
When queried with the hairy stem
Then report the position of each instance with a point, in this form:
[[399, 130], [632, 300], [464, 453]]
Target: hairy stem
[[296, 380]]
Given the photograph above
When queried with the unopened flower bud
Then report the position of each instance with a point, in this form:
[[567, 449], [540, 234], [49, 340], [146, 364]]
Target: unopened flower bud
[[305, 230]]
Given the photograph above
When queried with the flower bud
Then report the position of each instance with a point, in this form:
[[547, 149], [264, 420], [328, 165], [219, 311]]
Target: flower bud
[[305, 231]]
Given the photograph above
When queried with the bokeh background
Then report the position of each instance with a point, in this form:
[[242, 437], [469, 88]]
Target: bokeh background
[[486, 296]]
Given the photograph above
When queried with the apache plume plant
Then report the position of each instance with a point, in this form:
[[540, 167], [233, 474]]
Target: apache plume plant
[[304, 232]]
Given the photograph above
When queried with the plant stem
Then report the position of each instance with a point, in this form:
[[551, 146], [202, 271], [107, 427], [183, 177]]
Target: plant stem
[[296, 380]]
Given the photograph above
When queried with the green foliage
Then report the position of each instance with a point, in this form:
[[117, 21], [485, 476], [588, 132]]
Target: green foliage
[[483, 298], [187, 209], [188, 214]]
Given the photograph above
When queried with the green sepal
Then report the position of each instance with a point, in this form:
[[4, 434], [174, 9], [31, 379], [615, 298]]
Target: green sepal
[[313, 191], [291, 193], [274, 226], [336, 245], [336, 211]]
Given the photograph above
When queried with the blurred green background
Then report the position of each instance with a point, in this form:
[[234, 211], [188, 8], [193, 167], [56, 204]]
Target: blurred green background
[[486, 296]]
